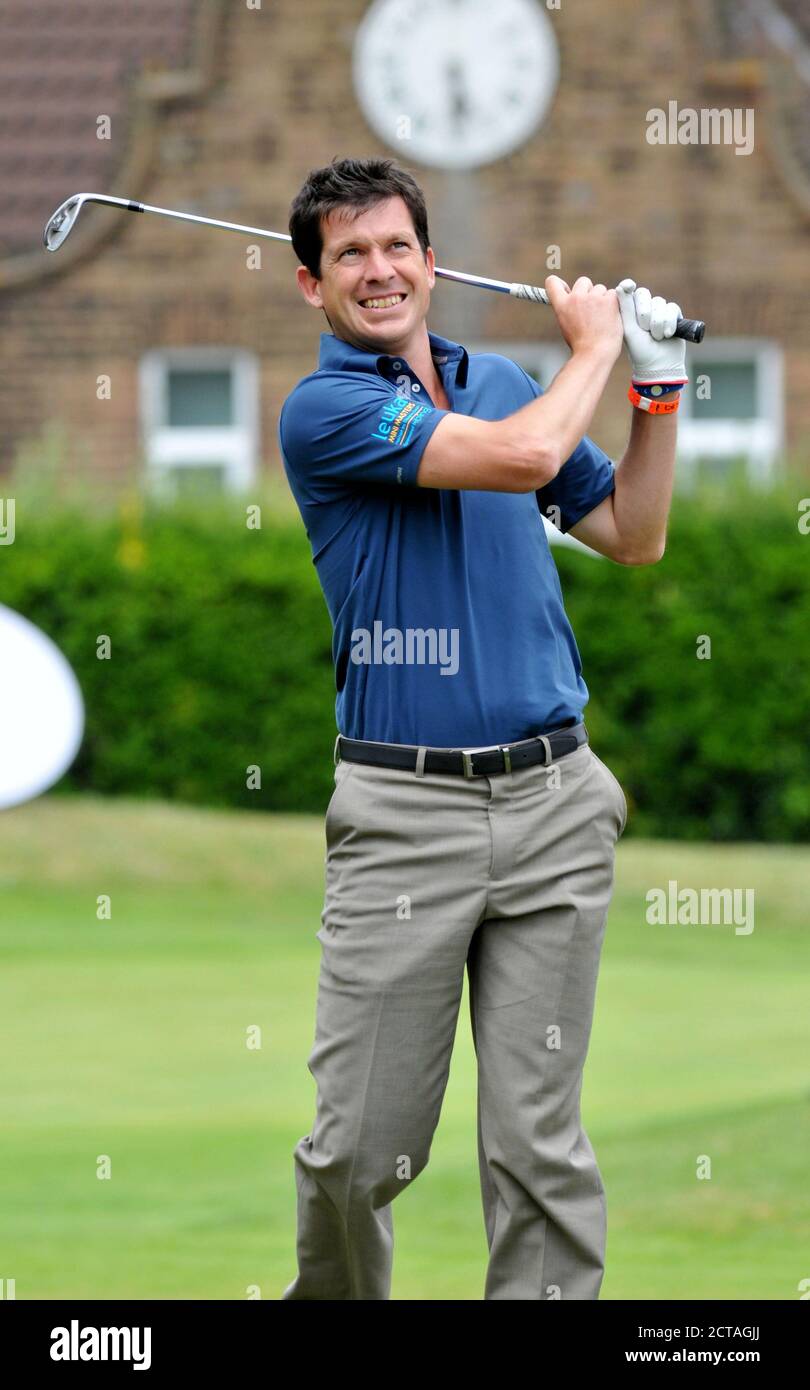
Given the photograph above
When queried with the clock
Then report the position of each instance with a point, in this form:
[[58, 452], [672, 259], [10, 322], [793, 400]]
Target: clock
[[455, 83]]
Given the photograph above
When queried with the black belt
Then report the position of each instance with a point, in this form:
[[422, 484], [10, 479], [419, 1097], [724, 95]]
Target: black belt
[[484, 762]]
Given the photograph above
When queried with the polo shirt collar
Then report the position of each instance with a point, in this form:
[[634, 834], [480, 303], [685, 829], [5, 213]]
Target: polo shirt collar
[[341, 356]]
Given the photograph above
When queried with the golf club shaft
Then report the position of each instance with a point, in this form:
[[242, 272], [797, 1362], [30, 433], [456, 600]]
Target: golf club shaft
[[690, 329]]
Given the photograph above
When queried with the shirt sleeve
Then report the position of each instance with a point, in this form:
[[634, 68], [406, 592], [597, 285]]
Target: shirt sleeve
[[343, 429], [585, 479]]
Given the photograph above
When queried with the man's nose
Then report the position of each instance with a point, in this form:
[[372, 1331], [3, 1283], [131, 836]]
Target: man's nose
[[378, 267]]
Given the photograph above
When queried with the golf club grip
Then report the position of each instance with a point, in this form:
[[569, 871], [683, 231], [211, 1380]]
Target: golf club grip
[[690, 329]]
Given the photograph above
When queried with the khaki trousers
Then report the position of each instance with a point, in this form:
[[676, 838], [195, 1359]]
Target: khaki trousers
[[509, 876]]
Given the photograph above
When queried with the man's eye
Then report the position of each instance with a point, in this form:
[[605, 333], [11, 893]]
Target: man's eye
[[354, 248]]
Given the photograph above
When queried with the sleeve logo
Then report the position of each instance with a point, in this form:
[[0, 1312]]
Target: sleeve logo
[[398, 420]]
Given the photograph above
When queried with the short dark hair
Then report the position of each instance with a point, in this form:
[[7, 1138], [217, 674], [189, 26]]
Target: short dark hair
[[350, 183]]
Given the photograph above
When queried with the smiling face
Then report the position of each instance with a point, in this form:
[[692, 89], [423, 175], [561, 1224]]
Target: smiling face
[[375, 282]]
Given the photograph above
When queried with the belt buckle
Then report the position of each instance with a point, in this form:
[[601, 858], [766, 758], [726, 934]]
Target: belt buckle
[[466, 760], [467, 757]]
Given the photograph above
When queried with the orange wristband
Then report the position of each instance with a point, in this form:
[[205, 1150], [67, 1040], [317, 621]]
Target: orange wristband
[[652, 407]]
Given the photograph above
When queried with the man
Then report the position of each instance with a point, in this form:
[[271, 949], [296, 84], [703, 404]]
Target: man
[[421, 472]]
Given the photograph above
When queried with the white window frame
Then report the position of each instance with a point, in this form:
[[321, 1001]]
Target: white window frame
[[168, 447], [760, 439], [552, 356]]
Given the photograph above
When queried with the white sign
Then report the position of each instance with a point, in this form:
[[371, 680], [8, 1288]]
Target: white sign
[[41, 711]]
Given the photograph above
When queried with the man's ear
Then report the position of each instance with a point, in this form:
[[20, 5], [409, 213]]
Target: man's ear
[[430, 262], [309, 286]]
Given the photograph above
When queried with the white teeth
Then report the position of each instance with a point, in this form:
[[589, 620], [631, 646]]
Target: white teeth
[[382, 303]]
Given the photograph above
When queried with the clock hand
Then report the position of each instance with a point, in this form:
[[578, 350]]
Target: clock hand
[[459, 101]]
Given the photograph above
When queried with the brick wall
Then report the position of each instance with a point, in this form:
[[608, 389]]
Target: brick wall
[[698, 223]]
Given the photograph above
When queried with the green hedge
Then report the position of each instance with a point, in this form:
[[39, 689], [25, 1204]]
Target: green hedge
[[221, 658], [713, 749], [220, 650]]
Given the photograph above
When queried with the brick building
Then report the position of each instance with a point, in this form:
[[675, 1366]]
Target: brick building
[[164, 351]]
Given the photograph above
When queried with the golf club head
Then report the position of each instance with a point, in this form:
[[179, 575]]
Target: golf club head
[[61, 224]]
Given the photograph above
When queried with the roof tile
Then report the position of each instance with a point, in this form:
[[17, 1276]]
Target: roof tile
[[60, 68]]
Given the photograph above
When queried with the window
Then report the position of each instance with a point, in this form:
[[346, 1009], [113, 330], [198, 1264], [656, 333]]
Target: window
[[731, 420], [199, 397], [199, 416]]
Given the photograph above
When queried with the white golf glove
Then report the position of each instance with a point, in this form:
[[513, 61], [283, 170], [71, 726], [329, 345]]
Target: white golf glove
[[649, 323]]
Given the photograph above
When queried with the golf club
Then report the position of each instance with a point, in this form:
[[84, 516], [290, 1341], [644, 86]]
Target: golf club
[[61, 224]]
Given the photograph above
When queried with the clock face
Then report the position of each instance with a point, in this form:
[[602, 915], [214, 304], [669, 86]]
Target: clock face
[[455, 83]]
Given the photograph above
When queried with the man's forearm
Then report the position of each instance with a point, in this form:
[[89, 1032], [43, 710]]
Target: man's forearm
[[549, 429], [644, 478]]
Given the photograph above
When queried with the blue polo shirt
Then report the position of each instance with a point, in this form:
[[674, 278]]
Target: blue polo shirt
[[448, 620]]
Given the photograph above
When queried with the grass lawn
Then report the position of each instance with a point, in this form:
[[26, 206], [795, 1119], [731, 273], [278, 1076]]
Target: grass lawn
[[124, 1040]]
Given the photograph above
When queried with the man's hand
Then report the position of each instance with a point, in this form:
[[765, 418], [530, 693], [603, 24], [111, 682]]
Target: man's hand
[[649, 323], [588, 315]]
